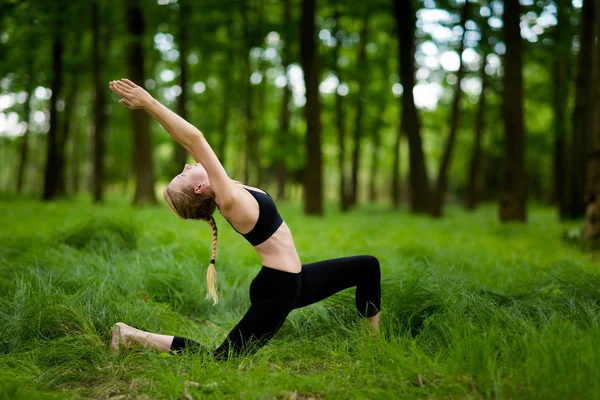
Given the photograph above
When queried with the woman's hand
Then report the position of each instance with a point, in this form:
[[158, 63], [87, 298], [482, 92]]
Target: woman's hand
[[133, 96]]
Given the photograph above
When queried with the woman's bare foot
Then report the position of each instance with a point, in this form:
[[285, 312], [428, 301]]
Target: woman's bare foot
[[128, 336], [374, 321], [122, 335]]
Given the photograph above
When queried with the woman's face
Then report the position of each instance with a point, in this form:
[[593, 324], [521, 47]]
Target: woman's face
[[193, 175]]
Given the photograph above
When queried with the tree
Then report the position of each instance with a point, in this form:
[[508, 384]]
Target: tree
[[440, 189], [313, 184], [379, 123], [592, 215], [285, 114], [142, 141], [471, 197], [340, 115], [227, 88], [582, 116], [360, 100], [51, 175], [560, 190], [513, 185], [98, 106], [29, 64], [180, 154], [419, 182], [252, 160]]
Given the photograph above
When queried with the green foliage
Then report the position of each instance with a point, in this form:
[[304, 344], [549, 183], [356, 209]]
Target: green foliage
[[471, 308]]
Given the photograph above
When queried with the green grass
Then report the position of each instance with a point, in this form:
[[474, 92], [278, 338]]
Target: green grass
[[472, 308]]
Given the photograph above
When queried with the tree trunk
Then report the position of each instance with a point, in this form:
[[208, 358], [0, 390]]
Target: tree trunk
[[362, 86], [75, 158], [376, 137], [142, 140], [419, 182], [285, 114], [471, 198], [582, 116], [442, 180], [70, 101], [52, 153], [29, 60], [313, 186], [227, 87], [98, 107], [180, 155], [396, 188], [513, 186], [251, 145], [591, 233], [340, 119], [562, 39]]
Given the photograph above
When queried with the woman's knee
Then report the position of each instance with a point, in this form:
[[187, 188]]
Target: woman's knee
[[372, 263]]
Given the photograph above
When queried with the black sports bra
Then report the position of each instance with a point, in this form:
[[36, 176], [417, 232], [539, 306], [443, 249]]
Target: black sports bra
[[268, 221]]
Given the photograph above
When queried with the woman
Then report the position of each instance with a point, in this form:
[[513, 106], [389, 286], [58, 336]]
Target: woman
[[283, 283]]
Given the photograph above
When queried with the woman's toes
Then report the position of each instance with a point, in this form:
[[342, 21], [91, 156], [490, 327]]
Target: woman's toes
[[116, 338]]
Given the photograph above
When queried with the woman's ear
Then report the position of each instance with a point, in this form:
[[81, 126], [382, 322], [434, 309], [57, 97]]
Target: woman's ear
[[199, 189]]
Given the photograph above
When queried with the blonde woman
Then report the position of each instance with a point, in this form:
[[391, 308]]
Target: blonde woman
[[283, 283]]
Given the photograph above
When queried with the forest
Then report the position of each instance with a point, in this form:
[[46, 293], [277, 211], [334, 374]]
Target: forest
[[458, 140]]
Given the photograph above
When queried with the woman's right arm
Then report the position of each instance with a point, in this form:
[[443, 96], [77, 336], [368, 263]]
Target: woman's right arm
[[184, 133]]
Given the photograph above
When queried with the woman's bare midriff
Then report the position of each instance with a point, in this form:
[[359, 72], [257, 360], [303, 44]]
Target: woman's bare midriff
[[279, 251]]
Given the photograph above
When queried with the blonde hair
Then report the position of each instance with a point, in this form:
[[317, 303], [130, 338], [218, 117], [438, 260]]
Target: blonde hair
[[186, 204]]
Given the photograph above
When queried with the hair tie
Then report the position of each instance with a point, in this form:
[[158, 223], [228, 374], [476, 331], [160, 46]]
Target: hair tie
[[212, 261]]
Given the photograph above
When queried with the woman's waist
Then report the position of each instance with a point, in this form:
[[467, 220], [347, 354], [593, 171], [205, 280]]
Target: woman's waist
[[279, 251], [287, 261]]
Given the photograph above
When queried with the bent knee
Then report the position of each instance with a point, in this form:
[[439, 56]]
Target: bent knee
[[372, 262]]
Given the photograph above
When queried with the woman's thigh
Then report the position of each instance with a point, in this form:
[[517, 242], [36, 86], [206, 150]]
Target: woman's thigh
[[325, 278]]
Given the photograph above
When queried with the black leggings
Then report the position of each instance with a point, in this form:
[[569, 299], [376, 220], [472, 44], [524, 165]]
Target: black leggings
[[274, 294]]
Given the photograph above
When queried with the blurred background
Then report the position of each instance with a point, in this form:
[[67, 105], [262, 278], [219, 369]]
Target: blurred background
[[416, 103]]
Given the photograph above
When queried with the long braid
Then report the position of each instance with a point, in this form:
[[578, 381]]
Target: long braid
[[211, 273]]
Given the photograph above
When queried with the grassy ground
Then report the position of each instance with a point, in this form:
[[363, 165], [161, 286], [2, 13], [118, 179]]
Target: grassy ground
[[472, 308]]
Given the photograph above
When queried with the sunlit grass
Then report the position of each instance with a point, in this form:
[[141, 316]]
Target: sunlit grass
[[472, 308]]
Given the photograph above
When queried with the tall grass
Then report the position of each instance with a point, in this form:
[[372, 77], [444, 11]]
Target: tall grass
[[472, 308]]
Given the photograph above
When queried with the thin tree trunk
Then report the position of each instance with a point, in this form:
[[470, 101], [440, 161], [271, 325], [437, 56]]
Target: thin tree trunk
[[419, 181], [52, 153], [362, 86], [98, 107], [29, 60], [285, 114], [471, 198], [313, 184], [562, 39], [340, 119], [75, 158], [70, 102], [376, 137], [251, 140], [513, 187], [228, 87], [591, 233], [180, 155], [582, 116], [396, 188], [442, 180], [142, 140]]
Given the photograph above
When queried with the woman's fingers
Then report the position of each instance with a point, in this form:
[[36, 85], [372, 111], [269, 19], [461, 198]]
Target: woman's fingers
[[126, 102], [118, 91], [128, 82], [124, 87]]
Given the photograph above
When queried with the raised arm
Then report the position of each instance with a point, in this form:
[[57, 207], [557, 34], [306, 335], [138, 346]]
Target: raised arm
[[184, 133]]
